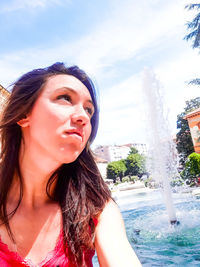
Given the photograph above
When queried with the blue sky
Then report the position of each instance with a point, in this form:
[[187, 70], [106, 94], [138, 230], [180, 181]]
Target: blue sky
[[113, 41]]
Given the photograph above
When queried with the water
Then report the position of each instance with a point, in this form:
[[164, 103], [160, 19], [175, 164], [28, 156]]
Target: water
[[159, 243], [162, 152], [154, 239]]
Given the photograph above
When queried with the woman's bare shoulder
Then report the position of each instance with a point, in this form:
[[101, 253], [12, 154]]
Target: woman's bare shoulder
[[111, 243], [110, 213]]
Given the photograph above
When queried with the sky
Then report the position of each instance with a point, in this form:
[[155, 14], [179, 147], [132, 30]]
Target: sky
[[114, 41]]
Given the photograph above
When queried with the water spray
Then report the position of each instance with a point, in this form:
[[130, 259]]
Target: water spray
[[161, 146]]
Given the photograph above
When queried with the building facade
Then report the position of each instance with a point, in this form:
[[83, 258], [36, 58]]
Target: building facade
[[193, 119], [4, 94], [102, 165], [118, 152]]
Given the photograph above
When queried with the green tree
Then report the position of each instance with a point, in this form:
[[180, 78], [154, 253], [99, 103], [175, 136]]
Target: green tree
[[192, 168], [116, 169], [184, 142], [194, 164], [135, 164], [133, 150], [194, 26], [183, 137], [195, 81], [194, 34]]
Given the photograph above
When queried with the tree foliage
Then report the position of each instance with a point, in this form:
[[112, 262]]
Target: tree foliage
[[194, 26], [195, 81], [193, 163], [183, 137], [192, 167], [192, 104], [194, 34], [133, 150], [116, 169], [135, 164]]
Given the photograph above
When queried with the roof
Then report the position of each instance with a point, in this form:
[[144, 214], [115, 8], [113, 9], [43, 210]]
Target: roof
[[192, 114], [98, 159]]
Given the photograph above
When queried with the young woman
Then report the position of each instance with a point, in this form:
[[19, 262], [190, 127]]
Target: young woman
[[55, 208]]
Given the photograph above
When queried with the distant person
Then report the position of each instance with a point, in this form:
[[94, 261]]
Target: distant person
[[55, 208]]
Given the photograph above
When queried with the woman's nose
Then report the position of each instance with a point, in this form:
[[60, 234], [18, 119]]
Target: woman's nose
[[80, 116]]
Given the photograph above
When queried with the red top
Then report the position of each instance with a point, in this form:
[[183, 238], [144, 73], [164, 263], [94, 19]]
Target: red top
[[55, 258]]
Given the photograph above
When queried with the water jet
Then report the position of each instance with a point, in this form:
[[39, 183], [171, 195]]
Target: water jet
[[162, 152]]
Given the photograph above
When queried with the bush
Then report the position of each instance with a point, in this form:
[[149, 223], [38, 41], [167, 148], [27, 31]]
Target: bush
[[192, 167], [176, 182], [125, 179], [134, 178], [148, 182]]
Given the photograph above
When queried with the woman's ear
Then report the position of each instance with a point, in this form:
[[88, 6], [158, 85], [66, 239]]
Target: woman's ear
[[23, 122]]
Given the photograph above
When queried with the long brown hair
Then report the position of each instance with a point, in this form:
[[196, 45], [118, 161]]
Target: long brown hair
[[80, 189]]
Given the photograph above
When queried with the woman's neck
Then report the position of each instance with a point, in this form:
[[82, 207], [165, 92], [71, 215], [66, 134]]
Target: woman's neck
[[35, 172]]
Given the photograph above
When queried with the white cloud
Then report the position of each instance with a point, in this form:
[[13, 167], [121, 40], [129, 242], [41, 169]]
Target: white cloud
[[15, 5], [132, 30], [124, 34], [123, 106], [122, 114], [174, 76]]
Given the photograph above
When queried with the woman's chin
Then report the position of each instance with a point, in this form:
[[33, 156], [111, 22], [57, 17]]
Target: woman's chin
[[69, 153], [70, 158]]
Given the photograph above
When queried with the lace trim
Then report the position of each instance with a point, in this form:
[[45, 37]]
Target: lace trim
[[28, 262]]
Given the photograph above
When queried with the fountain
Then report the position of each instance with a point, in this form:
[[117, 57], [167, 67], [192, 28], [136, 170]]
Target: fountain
[[162, 163], [156, 241]]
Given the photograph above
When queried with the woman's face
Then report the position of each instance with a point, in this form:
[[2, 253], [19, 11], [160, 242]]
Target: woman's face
[[59, 124]]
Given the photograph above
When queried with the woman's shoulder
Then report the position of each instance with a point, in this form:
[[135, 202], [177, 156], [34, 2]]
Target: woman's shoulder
[[110, 221], [111, 243], [110, 211]]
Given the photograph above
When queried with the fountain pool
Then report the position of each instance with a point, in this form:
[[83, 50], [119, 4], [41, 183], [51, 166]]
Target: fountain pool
[[158, 243]]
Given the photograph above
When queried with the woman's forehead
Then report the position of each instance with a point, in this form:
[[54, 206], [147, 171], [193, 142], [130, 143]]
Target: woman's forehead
[[65, 81]]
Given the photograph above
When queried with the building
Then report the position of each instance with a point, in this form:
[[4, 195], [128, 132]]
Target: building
[[102, 165], [193, 119], [4, 94], [142, 148], [118, 152]]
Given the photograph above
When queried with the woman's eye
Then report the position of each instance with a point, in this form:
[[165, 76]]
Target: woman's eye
[[64, 97], [90, 111]]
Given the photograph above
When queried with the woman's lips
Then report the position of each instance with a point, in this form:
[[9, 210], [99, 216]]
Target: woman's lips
[[75, 133]]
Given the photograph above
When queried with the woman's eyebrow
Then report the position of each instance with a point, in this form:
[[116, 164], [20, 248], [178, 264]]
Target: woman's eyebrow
[[66, 89]]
